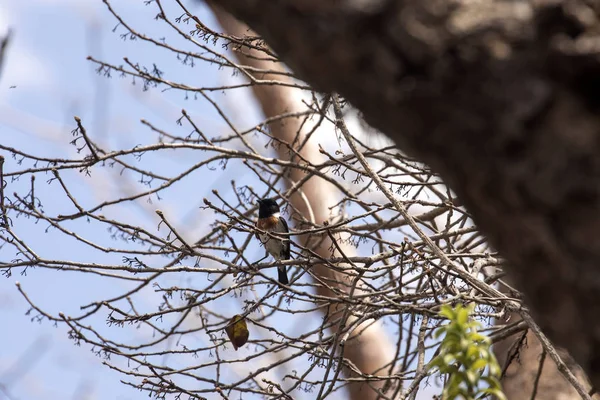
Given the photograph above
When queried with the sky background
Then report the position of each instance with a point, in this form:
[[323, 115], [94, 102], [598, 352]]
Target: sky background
[[45, 81]]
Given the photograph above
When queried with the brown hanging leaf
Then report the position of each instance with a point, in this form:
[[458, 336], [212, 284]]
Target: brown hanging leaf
[[237, 331]]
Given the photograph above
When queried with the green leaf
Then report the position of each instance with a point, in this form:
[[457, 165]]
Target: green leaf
[[494, 367], [439, 332], [472, 377], [449, 359], [465, 356], [447, 311], [473, 351], [478, 337], [479, 364], [494, 392]]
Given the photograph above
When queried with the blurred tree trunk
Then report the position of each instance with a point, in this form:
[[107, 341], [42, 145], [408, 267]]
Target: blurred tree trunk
[[499, 97], [522, 377], [371, 349]]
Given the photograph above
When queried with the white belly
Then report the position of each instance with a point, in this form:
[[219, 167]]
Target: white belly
[[273, 246]]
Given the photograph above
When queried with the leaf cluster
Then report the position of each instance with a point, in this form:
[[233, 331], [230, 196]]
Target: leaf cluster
[[465, 357]]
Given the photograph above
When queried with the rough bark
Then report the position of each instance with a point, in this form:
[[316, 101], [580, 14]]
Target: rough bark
[[501, 99], [371, 349], [523, 377]]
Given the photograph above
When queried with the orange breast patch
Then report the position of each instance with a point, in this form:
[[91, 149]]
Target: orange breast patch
[[267, 224]]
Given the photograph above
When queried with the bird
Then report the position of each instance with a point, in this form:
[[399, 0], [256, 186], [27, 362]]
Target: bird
[[270, 220]]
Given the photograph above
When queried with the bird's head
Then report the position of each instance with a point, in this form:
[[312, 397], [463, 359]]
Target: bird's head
[[267, 207]]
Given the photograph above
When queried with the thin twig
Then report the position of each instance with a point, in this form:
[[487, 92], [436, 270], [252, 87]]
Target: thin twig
[[2, 184], [88, 142]]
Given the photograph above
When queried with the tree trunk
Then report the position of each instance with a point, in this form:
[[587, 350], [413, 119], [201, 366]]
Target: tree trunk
[[530, 374]]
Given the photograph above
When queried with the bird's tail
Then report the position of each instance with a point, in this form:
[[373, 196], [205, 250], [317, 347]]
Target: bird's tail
[[283, 278]]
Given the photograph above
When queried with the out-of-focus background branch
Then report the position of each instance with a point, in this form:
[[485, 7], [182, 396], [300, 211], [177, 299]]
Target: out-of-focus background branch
[[4, 41]]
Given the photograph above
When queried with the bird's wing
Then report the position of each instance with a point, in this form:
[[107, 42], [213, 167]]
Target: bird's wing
[[286, 242], [257, 234], [285, 225]]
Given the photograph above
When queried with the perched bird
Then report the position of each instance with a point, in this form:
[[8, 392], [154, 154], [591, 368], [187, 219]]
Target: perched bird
[[270, 220]]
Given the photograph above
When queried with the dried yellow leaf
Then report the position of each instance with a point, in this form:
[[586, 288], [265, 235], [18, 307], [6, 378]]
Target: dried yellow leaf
[[237, 331]]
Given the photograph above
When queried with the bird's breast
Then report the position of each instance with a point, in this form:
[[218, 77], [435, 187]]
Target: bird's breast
[[267, 224]]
